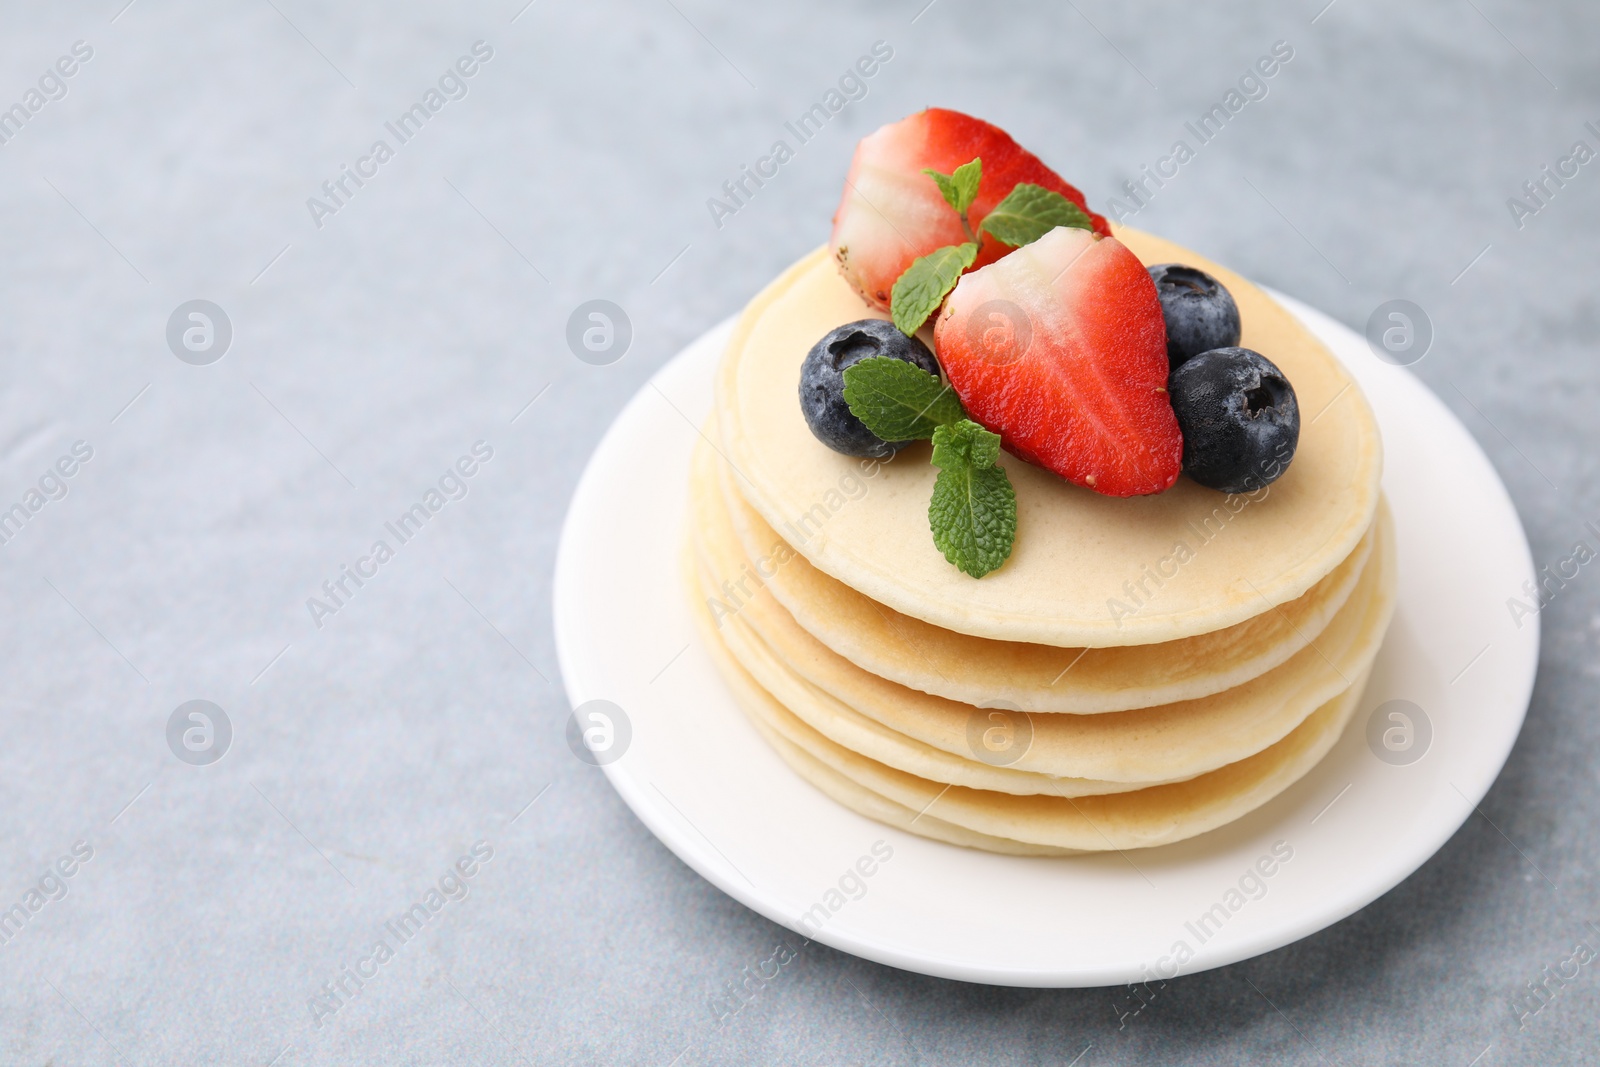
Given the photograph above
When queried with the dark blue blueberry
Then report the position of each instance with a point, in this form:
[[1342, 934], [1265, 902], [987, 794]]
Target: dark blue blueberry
[[822, 383], [1200, 314], [1239, 418]]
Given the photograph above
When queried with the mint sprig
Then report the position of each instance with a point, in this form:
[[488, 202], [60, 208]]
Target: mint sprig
[[920, 290], [964, 443], [960, 189], [922, 287], [1029, 212], [899, 401], [973, 511]]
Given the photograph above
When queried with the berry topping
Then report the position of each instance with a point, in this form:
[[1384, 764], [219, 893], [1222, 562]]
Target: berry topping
[[822, 384], [892, 213], [1240, 419], [1199, 312], [1059, 348]]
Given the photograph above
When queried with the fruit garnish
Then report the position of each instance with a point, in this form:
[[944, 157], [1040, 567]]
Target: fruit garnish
[[1199, 311], [892, 214], [1240, 419], [1060, 348], [973, 511], [825, 396]]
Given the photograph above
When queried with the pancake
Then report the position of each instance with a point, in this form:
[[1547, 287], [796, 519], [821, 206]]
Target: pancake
[[869, 736], [865, 802], [975, 670], [1080, 755], [1073, 577], [1144, 818]]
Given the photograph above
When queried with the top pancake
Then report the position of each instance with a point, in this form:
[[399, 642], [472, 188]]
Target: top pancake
[[1087, 570]]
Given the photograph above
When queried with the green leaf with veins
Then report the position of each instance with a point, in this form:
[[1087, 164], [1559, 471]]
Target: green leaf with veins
[[965, 443], [918, 292], [1029, 212], [973, 512], [899, 401], [961, 188]]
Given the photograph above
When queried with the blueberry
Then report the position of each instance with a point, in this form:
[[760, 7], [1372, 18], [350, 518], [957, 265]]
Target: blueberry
[[822, 383], [1239, 418], [1200, 314]]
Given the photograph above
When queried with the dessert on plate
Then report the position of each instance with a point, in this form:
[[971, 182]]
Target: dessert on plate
[[1027, 532]]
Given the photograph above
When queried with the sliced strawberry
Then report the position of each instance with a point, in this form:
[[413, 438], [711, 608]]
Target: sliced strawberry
[[892, 213], [1060, 348]]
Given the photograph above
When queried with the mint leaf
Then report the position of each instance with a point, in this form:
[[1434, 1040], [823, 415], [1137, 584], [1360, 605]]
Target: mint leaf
[[922, 288], [973, 512], [974, 518], [947, 186], [899, 401], [961, 188], [964, 443], [1029, 212]]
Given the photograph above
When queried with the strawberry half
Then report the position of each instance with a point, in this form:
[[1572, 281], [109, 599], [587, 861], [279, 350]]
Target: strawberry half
[[1060, 348], [892, 213]]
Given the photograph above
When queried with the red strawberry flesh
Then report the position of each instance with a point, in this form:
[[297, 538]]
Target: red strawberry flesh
[[1060, 348], [891, 213]]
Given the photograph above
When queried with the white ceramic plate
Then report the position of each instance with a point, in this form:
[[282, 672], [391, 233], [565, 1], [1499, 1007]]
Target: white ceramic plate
[[705, 783]]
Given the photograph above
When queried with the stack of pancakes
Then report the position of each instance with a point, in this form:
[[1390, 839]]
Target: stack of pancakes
[[1140, 670]]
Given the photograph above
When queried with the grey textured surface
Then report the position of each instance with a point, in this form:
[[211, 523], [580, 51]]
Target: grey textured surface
[[423, 317]]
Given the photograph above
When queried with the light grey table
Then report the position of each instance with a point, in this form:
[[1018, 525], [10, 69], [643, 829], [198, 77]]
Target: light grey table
[[376, 339]]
